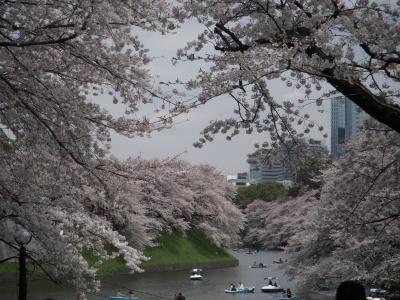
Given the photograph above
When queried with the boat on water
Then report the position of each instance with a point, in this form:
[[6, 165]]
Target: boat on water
[[286, 298], [258, 266], [196, 274], [123, 298], [244, 290], [375, 293], [280, 261], [271, 287]]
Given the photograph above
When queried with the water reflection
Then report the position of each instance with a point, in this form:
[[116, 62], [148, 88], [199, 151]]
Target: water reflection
[[166, 284]]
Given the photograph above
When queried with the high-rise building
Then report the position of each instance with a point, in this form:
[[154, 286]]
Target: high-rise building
[[239, 180], [281, 164], [272, 169], [346, 121]]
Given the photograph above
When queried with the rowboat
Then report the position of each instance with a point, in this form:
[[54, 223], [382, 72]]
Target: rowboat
[[244, 290], [123, 298], [196, 274]]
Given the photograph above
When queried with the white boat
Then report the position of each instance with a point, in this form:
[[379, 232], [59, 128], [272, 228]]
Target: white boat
[[271, 289], [196, 274], [375, 298], [196, 277], [244, 290]]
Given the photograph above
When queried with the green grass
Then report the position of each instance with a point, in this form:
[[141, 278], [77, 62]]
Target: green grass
[[8, 268], [176, 248], [11, 268], [107, 267], [194, 248]]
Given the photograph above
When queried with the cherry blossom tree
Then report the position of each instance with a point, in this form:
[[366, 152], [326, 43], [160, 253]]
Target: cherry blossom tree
[[56, 57], [273, 224], [59, 61], [179, 196], [124, 205], [355, 230], [349, 229], [321, 47]]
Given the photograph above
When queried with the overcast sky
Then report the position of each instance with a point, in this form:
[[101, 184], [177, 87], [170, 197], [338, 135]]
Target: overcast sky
[[229, 157]]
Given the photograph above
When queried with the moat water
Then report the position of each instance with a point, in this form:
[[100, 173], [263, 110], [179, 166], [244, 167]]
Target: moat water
[[164, 285]]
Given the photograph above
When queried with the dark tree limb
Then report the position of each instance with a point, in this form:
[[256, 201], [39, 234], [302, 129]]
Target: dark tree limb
[[375, 106]]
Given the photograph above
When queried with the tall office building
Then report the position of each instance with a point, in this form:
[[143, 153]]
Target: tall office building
[[281, 164], [347, 120], [272, 170]]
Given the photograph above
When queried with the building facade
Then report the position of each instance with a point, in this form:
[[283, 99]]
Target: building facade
[[281, 165], [347, 121], [239, 180]]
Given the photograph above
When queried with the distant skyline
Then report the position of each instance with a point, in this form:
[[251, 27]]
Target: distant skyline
[[228, 157]]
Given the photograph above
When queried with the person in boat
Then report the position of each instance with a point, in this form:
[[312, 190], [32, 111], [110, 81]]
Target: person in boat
[[240, 286], [179, 296], [289, 293], [270, 282], [254, 264], [280, 260], [260, 264], [131, 294], [233, 287], [275, 284], [350, 290]]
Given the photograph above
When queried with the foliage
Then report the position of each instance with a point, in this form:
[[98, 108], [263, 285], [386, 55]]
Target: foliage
[[60, 60], [57, 57], [355, 230], [265, 191], [309, 173], [320, 47], [271, 225], [125, 205]]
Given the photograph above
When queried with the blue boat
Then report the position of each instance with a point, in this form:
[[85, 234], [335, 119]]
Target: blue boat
[[245, 290], [376, 291]]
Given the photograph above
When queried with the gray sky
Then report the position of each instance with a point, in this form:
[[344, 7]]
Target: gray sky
[[229, 157]]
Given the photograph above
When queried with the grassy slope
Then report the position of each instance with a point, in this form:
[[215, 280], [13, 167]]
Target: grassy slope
[[194, 248]]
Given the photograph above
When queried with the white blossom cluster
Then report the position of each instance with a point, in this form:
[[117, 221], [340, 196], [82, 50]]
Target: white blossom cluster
[[273, 224], [70, 209], [58, 61], [347, 47], [355, 229], [352, 229]]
